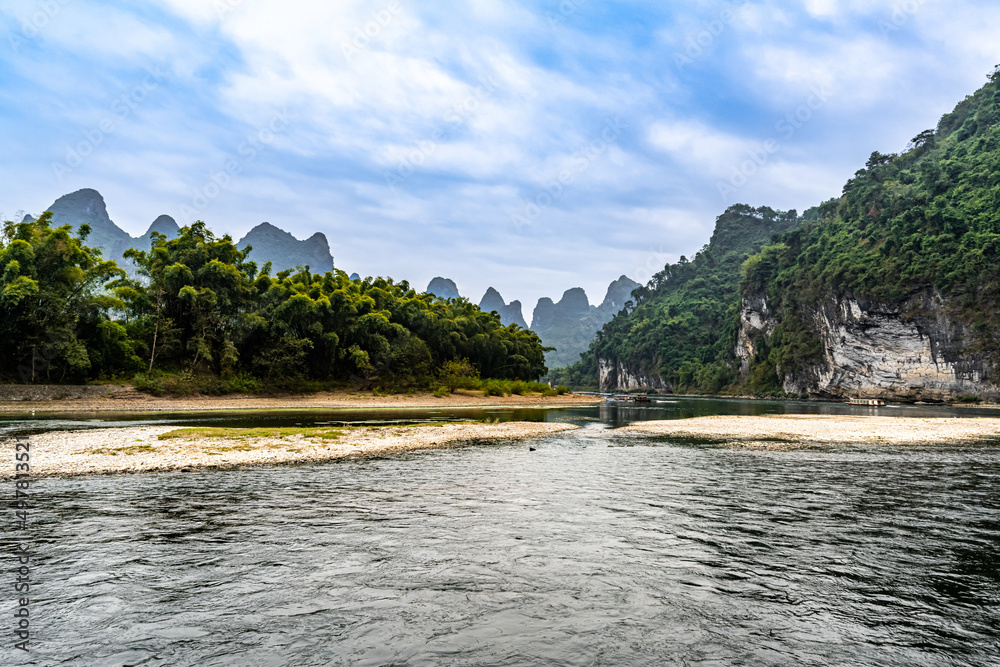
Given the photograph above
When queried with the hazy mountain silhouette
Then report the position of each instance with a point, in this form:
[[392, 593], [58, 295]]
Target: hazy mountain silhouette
[[444, 288], [510, 313], [269, 243]]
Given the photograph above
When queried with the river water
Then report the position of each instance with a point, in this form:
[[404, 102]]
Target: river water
[[591, 550]]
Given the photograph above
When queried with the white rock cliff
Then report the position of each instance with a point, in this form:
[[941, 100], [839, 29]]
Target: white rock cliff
[[908, 351], [615, 375]]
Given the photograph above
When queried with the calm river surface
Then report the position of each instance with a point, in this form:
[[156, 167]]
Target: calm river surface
[[646, 552]]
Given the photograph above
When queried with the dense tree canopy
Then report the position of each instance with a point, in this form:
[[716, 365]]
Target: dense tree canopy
[[199, 305], [926, 221], [53, 310], [681, 326]]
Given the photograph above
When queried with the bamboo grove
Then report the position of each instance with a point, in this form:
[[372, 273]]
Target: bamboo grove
[[196, 305]]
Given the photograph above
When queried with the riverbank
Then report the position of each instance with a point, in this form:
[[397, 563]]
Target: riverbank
[[789, 431], [25, 399], [166, 448]]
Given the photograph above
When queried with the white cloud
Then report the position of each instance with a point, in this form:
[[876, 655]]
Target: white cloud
[[94, 28], [693, 143], [840, 9], [652, 191], [855, 71]]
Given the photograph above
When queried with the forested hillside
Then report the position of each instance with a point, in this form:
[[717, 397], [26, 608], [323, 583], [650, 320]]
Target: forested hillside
[[893, 289], [200, 307], [911, 231], [681, 327]]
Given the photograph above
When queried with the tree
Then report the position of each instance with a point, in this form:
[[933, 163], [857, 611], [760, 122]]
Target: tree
[[52, 305], [197, 299]]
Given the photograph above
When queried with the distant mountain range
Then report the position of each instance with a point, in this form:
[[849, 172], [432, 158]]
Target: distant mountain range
[[572, 323], [568, 325], [269, 243], [510, 313], [284, 251]]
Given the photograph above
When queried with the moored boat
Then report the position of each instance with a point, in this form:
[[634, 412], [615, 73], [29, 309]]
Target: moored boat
[[867, 402], [626, 399]]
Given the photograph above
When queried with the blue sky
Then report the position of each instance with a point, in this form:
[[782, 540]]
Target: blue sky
[[532, 146]]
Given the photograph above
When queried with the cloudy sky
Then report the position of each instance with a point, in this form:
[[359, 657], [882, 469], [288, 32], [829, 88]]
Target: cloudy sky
[[533, 146]]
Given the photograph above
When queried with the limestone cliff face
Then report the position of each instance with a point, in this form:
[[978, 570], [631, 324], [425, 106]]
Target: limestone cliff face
[[756, 324], [902, 351], [615, 375]]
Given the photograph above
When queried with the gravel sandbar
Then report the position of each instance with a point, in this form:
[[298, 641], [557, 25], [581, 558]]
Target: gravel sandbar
[[782, 431], [138, 448], [54, 400]]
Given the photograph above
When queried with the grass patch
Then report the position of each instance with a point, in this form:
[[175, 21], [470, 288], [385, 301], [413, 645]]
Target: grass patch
[[128, 451], [188, 383], [234, 448], [457, 378], [312, 432], [434, 424]]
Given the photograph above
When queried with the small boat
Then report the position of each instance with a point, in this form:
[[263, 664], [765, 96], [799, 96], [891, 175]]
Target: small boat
[[627, 399], [867, 402]]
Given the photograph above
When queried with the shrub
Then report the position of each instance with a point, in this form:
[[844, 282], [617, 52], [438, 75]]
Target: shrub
[[148, 384], [458, 374], [244, 383], [494, 388]]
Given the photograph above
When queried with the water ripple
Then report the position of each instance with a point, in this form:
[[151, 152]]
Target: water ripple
[[576, 554]]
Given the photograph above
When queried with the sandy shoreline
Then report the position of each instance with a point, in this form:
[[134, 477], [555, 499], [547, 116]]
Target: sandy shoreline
[[786, 431], [139, 449], [63, 400]]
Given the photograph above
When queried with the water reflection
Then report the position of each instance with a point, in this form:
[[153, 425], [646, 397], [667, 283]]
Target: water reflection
[[612, 414], [574, 554]]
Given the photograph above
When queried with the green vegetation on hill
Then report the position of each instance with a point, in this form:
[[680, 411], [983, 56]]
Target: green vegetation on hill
[[920, 223], [200, 308], [924, 221], [681, 326]]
